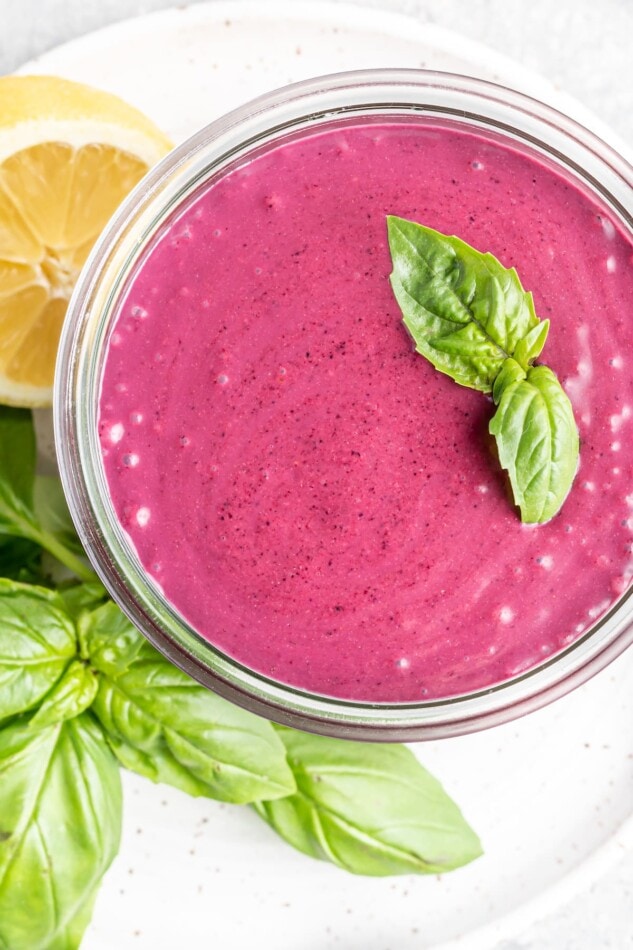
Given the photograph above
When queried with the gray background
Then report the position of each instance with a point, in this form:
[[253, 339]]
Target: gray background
[[583, 46]]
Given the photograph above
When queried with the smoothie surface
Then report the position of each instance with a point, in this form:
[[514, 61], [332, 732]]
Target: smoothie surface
[[308, 492]]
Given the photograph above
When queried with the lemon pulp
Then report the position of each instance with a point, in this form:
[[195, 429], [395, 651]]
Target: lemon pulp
[[54, 201], [69, 154]]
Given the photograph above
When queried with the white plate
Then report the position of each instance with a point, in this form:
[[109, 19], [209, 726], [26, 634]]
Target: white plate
[[550, 794]]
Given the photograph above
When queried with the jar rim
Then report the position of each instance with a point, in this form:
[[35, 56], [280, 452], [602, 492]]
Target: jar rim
[[77, 381]]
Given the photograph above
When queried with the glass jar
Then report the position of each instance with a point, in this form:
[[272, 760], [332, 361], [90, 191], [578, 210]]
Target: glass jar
[[305, 106]]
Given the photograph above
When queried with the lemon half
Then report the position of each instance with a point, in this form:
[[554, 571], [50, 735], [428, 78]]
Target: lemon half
[[69, 154]]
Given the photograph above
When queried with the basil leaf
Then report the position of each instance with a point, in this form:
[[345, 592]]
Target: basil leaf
[[109, 640], [531, 345], [162, 724], [464, 310], [370, 809], [37, 642], [537, 440], [17, 452], [80, 597], [69, 938], [60, 826], [70, 696], [17, 473], [511, 373]]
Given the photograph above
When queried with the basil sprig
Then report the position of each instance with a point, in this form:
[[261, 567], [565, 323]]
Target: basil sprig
[[471, 318], [370, 809], [82, 692]]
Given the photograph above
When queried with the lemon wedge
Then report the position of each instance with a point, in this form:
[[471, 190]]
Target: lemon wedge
[[69, 154]]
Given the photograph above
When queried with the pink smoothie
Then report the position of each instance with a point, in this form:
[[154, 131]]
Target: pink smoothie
[[310, 494]]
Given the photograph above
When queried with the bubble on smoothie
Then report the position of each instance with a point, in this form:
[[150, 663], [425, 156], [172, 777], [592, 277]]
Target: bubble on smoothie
[[616, 446], [588, 486], [117, 432], [576, 386], [216, 232], [619, 418], [608, 228], [616, 362], [611, 264], [116, 339], [222, 379], [142, 517], [403, 663], [546, 561], [620, 584], [130, 460], [506, 615], [483, 489], [187, 233], [599, 609], [477, 166], [183, 440], [526, 663], [136, 418], [139, 313], [584, 369]]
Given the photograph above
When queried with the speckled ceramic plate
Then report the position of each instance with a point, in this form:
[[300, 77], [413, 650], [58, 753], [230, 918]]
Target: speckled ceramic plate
[[550, 795]]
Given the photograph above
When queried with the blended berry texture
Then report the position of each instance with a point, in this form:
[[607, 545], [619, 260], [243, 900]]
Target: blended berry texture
[[310, 494]]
